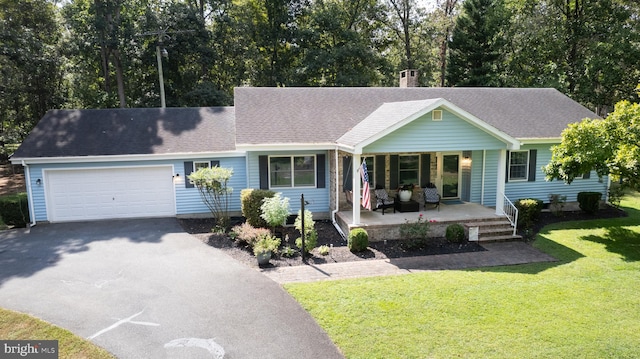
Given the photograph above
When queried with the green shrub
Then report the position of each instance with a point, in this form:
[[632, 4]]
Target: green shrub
[[14, 210], [556, 204], [275, 210], [287, 251], [358, 240], [310, 241], [248, 234], [266, 243], [415, 230], [251, 202], [455, 233], [528, 211], [589, 201], [616, 192], [324, 250], [309, 224]]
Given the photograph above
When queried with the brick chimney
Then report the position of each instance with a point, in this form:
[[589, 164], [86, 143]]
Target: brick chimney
[[409, 78]]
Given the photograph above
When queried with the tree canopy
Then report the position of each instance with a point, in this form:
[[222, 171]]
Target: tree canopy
[[102, 53], [609, 146]]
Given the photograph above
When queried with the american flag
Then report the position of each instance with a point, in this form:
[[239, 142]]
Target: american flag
[[366, 195]]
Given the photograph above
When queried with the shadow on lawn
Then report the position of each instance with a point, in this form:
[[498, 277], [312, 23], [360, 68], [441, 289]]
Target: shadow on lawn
[[621, 241]]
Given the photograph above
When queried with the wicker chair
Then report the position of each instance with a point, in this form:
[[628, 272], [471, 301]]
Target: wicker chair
[[431, 196]]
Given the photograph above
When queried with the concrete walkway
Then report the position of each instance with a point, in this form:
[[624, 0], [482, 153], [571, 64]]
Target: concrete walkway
[[496, 254]]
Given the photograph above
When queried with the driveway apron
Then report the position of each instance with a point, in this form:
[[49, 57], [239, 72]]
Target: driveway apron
[[146, 289]]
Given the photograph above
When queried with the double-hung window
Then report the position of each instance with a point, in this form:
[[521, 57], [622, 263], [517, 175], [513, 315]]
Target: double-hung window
[[292, 171], [518, 165], [409, 169], [200, 164]]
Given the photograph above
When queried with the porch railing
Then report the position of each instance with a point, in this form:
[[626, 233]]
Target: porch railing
[[510, 210]]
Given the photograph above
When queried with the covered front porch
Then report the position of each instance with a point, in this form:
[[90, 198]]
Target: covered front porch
[[387, 227]]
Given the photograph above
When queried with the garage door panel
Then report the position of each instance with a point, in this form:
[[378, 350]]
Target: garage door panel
[[110, 193]]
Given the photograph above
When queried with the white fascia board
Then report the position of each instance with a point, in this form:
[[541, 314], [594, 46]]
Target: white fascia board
[[287, 147], [125, 158], [512, 143], [358, 147], [541, 141]]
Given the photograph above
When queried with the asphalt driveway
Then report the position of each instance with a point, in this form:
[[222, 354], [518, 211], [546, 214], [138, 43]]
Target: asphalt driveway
[[146, 289]]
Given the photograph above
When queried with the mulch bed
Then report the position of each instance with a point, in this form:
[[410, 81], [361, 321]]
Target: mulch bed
[[328, 235]]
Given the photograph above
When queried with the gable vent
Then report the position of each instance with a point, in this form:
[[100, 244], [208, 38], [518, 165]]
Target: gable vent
[[436, 115]]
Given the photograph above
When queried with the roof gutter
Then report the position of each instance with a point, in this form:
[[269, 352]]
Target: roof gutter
[[27, 177]]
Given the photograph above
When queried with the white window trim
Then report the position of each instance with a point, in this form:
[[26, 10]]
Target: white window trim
[[526, 169], [291, 157], [436, 115], [195, 163]]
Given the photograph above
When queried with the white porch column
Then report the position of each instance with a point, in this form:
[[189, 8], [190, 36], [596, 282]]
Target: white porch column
[[500, 185], [355, 178]]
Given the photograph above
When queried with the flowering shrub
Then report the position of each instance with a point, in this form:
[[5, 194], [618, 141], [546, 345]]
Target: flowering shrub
[[412, 230], [414, 234]]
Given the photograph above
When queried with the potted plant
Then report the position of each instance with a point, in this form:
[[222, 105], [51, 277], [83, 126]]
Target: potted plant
[[264, 247], [405, 192]]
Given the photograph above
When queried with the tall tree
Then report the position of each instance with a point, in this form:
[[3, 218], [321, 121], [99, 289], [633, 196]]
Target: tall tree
[[476, 47], [338, 44], [31, 76], [447, 14], [587, 49]]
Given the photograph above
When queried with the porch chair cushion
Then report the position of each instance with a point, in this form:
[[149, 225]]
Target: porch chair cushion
[[431, 196], [383, 201]]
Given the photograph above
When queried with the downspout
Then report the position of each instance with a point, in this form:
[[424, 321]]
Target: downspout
[[32, 213], [484, 169], [337, 199]]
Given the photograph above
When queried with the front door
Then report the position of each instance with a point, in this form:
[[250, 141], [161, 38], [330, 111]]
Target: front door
[[450, 175]]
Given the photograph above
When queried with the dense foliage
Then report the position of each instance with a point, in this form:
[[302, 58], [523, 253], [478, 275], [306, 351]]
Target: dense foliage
[[103, 53]]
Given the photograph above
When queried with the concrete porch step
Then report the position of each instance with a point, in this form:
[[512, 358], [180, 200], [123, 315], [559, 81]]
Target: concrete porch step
[[501, 238], [494, 230]]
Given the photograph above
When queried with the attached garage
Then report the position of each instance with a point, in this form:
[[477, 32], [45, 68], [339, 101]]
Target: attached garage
[[107, 193]]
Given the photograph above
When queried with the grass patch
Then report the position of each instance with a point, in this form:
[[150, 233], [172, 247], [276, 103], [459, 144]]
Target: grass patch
[[585, 306], [18, 326]]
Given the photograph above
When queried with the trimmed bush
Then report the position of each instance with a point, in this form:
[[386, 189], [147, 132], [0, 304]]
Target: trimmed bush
[[455, 233], [14, 210], [529, 210], [358, 240], [589, 201], [251, 201]]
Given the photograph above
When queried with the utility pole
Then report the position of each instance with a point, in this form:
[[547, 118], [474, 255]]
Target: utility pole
[[160, 53]]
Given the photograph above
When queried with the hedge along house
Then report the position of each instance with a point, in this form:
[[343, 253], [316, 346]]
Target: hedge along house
[[478, 145]]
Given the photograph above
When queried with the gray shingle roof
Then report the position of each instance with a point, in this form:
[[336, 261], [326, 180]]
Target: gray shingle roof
[[323, 115], [136, 131]]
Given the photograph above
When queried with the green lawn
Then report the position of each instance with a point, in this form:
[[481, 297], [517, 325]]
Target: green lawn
[[587, 305], [18, 326]]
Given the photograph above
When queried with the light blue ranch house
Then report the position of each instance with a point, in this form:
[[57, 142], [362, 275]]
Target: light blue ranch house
[[476, 146]]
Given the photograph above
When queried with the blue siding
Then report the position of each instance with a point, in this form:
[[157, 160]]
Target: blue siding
[[476, 177], [318, 198], [37, 192], [425, 135], [541, 189], [188, 200]]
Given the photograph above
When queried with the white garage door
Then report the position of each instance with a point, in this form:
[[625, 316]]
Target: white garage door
[[74, 195]]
